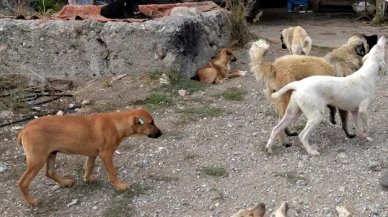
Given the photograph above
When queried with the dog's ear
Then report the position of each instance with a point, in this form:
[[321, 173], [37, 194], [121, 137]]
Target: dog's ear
[[360, 50]]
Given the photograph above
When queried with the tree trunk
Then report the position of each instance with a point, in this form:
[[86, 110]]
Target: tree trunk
[[380, 8]]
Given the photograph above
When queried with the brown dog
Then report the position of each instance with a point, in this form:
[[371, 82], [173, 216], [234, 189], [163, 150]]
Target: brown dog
[[257, 211], [217, 70], [92, 135]]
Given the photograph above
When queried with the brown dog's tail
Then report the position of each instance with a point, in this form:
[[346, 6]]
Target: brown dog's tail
[[262, 70]]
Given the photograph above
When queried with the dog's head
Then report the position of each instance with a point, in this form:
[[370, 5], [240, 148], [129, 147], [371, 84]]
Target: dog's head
[[226, 55], [143, 124], [282, 40], [359, 44], [377, 54], [257, 211]]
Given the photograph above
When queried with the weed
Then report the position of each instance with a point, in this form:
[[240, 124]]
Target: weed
[[291, 176], [135, 190], [119, 209], [85, 188], [234, 94], [190, 157], [163, 178], [215, 171], [47, 7], [240, 34], [194, 114], [13, 92], [298, 126], [272, 113]]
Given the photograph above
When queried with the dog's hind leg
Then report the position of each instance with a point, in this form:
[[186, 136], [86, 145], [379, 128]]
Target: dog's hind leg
[[293, 112], [50, 172], [345, 123], [89, 165], [363, 113], [333, 111], [34, 164], [313, 120]]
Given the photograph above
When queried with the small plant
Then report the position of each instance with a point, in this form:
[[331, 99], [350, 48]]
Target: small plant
[[272, 113], [215, 171], [163, 178], [190, 157], [291, 176], [234, 94], [119, 209], [298, 126], [13, 92], [135, 190], [47, 7]]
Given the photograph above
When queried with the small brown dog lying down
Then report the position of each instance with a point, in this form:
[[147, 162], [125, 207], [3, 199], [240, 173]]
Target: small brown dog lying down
[[92, 135], [257, 211], [217, 70], [341, 62]]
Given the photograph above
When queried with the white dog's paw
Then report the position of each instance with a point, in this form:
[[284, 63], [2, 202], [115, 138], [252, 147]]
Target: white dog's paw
[[342, 211], [268, 149], [313, 152], [243, 73]]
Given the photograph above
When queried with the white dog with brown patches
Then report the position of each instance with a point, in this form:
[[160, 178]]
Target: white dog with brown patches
[[353, 93]]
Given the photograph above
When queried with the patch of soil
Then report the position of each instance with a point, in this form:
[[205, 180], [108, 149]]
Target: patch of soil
[[206, 130]]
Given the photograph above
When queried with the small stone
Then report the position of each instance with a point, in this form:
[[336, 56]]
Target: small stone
[[60, 112], [85, 102], [384, 180], [73, 202], [182, 92]]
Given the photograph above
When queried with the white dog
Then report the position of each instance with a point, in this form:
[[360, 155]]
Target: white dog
[[296, 40], [353, 93]]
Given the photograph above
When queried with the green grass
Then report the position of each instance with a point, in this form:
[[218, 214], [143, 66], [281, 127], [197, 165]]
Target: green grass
[[194, 114], [298, 126], [272, 113], [291, 176], [120, 209], [215, 171], [234, 94], [189, 157], [163, 178]]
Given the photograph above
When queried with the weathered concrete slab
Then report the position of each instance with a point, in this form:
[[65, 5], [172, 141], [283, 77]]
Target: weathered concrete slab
[[88, 48]]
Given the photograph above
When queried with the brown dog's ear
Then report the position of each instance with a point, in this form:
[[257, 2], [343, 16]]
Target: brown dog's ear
[[360, 50], [228, 51]]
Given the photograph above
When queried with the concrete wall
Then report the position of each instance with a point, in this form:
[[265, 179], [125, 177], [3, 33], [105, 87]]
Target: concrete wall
[[88, 48]]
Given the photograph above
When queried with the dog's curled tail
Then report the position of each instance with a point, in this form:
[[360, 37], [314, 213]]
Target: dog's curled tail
[[307, 43], [291, 86], [261, 69]]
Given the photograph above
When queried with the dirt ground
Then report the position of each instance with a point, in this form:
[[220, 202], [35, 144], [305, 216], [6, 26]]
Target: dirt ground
[[211, 160]]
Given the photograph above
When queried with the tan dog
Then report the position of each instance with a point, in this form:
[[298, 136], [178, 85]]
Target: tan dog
[[217, 70], [296, 40], [257, 211], [286, 69], [282, 210], [92, 135]]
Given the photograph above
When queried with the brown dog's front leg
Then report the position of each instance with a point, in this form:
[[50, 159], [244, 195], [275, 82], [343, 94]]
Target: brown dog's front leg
[[345, 121], [107, 157], [89, 165]]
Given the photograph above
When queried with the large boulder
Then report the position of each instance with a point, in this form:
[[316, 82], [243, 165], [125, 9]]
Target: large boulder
[[89, 48]]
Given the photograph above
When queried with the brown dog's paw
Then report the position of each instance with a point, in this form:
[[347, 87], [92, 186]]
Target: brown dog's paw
[[67, 183], [32, 202], [89, 179], [122, 186]]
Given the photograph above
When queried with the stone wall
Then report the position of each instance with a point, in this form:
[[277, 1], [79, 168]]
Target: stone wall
[[89, 48]]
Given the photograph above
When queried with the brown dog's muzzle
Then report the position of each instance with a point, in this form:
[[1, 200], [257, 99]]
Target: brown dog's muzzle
[[156, 134], [234, 59]]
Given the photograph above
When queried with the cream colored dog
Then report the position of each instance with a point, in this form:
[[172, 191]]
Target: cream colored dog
[[344, 60], [257, 211], [92, 135], [352, 93], [296, 40], [282, 210]]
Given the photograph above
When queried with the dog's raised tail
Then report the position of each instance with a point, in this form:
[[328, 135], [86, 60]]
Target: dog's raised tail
[[307, 44], [283, 90], [261, 69]]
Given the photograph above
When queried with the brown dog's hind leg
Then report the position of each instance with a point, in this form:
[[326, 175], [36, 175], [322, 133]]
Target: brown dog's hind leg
[[89, 165], [34, 164], [333, 110], [344, 119], [107, 157], [50, 172]]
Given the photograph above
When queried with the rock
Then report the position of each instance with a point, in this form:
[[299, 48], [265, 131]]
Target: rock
[[384, 180], [182, 92], [3, 167], [60, 112], [164, 79], [118, 77], [90, 48], [185, 11], [73, 202], [85, 102]]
